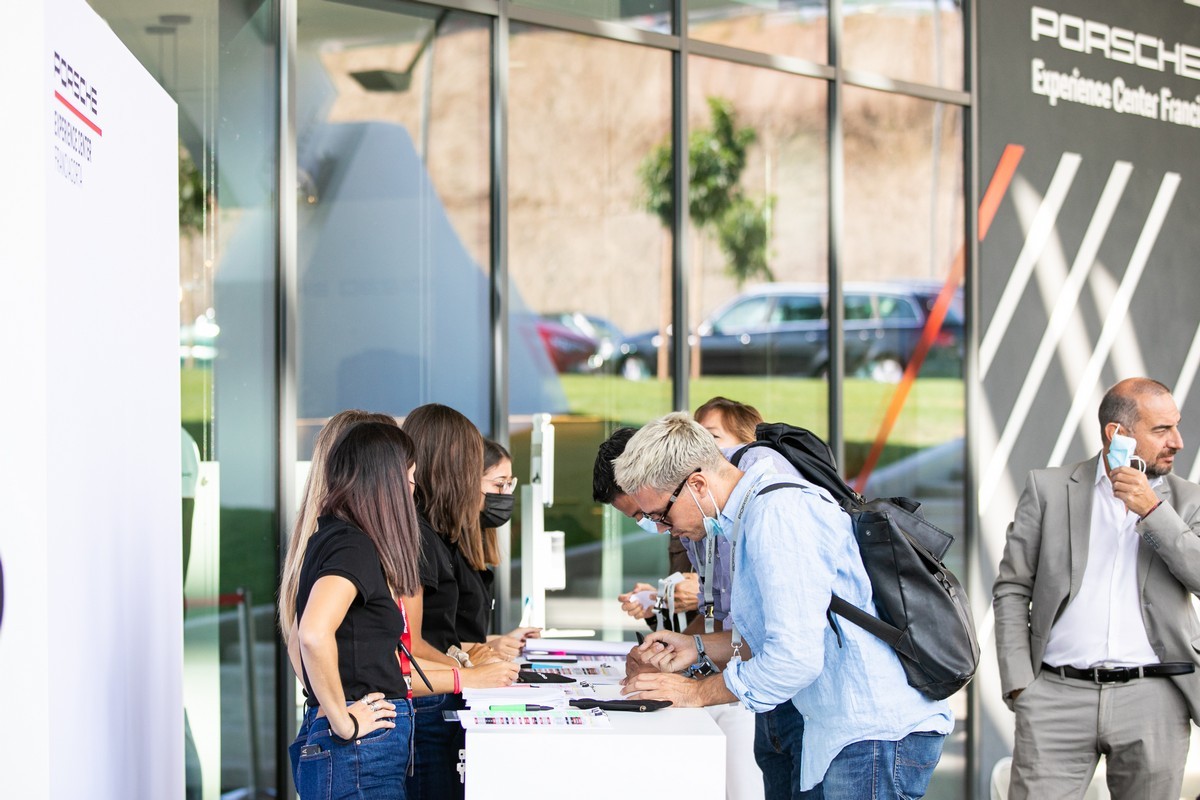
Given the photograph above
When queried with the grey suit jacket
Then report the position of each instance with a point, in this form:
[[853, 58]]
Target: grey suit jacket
[[1044, 557]]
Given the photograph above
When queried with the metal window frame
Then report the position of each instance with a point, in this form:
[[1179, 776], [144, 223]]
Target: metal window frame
[[504, 12]]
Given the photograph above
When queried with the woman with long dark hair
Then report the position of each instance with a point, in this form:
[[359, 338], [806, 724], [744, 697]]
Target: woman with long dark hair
[[451, 609], [355, 740]]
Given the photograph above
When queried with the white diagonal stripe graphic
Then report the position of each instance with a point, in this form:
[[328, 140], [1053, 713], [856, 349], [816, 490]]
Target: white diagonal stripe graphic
[[1064, 308], [1039, 233], [1116, 314], [1183, 387]]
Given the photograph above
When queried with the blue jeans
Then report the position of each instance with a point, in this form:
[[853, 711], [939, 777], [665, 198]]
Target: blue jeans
[[435, 749], [875, 770], [372, 767], [778, 740]]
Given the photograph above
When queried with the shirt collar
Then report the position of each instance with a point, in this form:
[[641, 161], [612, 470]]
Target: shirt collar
[[753, 475]]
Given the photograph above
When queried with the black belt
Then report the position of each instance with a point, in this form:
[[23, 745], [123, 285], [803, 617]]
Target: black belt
[[1123, 674]]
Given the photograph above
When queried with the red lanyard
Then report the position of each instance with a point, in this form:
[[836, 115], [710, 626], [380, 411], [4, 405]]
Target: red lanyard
[[406, 638]]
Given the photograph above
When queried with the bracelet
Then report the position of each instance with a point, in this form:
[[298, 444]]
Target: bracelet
[[1151, 511], [352, 736], [457, 682]]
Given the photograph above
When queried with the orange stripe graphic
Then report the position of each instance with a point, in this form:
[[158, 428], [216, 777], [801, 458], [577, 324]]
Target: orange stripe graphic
[[988, 206]]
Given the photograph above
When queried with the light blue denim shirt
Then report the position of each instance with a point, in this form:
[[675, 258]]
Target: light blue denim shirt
[[696, 550], [796, 547]]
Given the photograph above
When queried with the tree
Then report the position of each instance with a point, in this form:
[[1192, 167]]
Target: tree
[[716, 202], [717, 205]]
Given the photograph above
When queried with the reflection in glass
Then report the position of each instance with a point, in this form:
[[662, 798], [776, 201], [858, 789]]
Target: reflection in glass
[[758, 278], [906, 437], [797, 28], [921, 42], [393, 212], [217, 61], [588, 263]]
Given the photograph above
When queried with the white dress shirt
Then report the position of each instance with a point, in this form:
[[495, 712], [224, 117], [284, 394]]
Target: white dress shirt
[[1102, 625]]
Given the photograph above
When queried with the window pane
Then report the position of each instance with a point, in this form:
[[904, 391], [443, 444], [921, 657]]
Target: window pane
[[904, 233], [757, 239], [918, 42], [650, 15], [393, 212], [798, 309], [589, 260], [218, 63], [789, 28], [746, 314]]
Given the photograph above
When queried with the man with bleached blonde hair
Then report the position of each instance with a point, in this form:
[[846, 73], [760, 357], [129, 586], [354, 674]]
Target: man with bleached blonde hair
[[792, 547]]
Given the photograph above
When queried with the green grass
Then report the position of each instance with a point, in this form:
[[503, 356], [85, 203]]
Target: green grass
[[933, 412]]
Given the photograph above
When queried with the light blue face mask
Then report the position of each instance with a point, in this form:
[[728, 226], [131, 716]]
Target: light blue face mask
[[1121, 452], [648, 525], [712, 525]]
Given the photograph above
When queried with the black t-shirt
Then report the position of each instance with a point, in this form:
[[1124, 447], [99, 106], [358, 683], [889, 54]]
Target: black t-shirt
[[457, 599], [367, 636]]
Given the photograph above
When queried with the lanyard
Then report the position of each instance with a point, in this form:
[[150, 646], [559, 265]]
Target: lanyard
[[666, 591], [706, 579], [405, 649]]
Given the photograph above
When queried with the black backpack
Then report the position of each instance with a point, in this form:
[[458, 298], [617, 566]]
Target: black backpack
[[924, 614]]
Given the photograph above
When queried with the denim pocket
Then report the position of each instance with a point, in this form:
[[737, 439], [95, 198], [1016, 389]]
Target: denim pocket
[[314, 775], [916, 756], [382, 756]]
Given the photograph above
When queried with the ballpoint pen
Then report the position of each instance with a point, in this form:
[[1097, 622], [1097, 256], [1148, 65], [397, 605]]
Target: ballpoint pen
[[521, 707]]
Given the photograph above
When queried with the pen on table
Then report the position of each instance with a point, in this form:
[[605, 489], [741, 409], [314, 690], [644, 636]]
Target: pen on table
[[521, 707]]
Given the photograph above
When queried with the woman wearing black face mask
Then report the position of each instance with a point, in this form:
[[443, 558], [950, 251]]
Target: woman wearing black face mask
[[497, 487]]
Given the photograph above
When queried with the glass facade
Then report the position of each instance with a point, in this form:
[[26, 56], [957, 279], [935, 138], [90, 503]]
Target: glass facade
[[477, 209]]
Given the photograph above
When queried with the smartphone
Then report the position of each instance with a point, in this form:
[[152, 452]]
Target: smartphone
[[310, 750], [538, 659]]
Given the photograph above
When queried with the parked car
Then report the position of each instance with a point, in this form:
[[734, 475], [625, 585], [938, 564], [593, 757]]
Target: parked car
[[781, 329], [607, 335], [569, 350]]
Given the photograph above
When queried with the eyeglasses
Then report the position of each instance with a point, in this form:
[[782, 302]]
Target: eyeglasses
[[499, 486], [661, 517]]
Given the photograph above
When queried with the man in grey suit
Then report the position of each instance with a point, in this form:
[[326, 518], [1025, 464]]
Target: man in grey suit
[[1095, 630]]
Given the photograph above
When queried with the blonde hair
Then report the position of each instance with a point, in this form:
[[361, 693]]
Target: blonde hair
[[665, 452], [315, 490]]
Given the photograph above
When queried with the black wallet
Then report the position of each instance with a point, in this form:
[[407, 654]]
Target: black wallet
[[621, 705], [529, 676]]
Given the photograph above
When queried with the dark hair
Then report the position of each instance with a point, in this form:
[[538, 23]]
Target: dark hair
[[493, 454], [366, 475], [604, 483], [739, 419], [310, 508], [1120, 403], [449, 467]]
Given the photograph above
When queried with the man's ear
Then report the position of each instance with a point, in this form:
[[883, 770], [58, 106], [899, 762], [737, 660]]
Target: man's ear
[[1109, 430], [699, 483]]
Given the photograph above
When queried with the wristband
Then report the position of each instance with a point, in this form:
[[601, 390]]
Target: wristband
[[457, 682], [352, 736], [1151, 511]]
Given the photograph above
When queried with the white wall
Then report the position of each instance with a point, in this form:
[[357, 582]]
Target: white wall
[[91, 640]]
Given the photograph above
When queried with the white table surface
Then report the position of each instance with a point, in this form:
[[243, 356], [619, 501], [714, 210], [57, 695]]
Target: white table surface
[[643, 753]]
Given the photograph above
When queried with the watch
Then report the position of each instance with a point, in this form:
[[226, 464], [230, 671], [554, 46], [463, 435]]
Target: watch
[[704, 665]]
